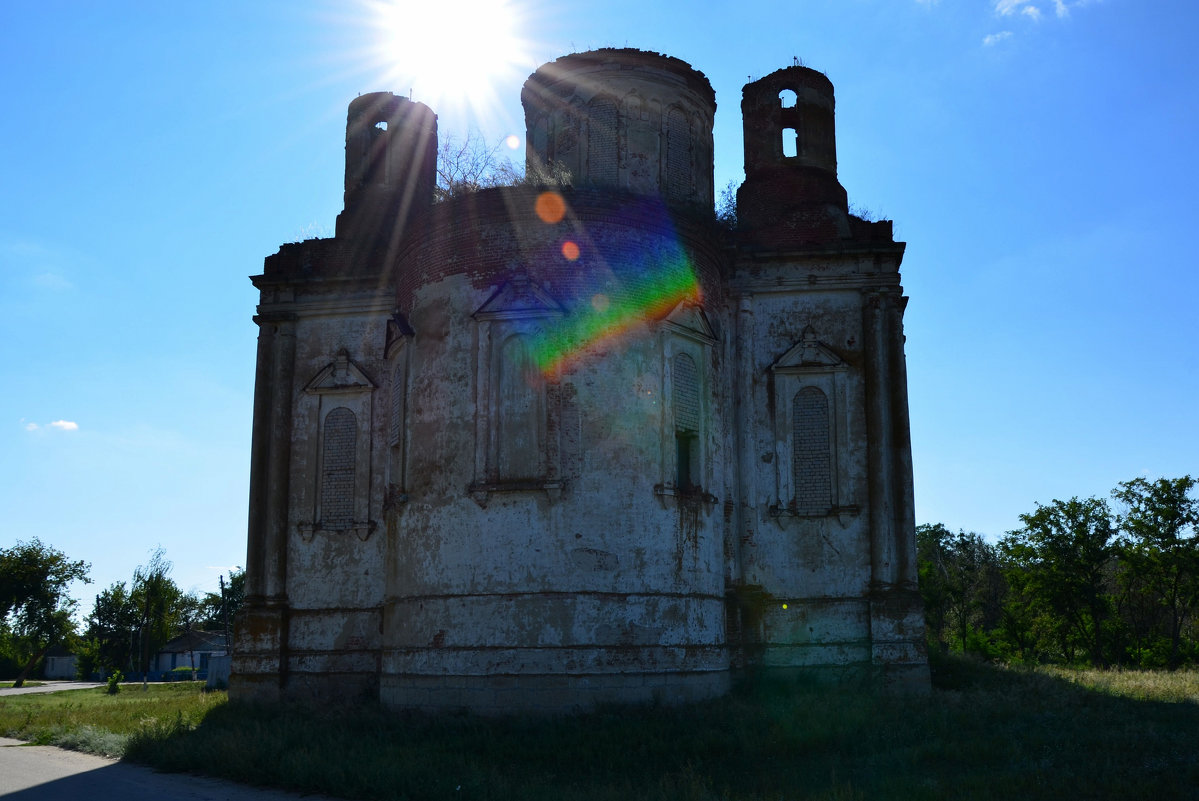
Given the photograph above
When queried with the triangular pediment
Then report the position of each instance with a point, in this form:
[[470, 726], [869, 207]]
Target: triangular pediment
[[689, 319], [807, 354], [340, 376], [516, 299]]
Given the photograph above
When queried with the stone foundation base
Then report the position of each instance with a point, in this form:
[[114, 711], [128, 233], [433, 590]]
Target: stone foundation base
[[332, 688], [547, 694], [858, 677], [262, 688]]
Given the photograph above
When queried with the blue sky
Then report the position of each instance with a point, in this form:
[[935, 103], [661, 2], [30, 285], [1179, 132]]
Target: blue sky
[[1038, 157]]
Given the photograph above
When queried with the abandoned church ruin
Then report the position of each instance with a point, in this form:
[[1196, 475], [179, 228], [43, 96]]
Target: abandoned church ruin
[[543, 447]]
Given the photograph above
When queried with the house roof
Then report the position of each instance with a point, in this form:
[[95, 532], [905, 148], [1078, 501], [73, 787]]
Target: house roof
[[195, 640]]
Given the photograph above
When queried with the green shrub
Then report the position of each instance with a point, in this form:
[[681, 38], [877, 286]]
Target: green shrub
[[114, 682], [181, 673]]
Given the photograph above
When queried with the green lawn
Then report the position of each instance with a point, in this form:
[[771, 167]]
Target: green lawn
[[984, 733], [91, 720], [4, 685]]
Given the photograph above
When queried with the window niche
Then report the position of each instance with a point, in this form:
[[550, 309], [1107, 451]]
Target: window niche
[[516, 403], [677, 172], [519, 413], [338, 401], [686, 339], [812, 446], [602, 141], [685, 406], [811, 432]]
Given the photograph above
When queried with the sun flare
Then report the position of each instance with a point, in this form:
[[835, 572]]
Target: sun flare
[[457, 52]]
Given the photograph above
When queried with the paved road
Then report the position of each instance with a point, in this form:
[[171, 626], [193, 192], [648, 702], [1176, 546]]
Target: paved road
[[45, 773], [50, 687]]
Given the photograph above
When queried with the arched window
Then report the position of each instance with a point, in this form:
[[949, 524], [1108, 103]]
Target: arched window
[[811, 462], [521, 413], [338, 468], [686, 407], [788, 98], [378, 154], [790, 143]]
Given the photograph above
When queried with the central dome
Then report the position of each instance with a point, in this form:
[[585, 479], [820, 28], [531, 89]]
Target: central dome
[[625, 119]]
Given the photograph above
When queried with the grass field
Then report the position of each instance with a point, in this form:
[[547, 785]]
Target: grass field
[[4, 685], [984, 733]]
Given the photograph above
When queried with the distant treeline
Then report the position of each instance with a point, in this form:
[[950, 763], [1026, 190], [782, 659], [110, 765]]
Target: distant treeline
[[1077, 584]]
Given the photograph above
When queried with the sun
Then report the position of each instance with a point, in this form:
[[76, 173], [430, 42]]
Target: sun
[[457, 51]]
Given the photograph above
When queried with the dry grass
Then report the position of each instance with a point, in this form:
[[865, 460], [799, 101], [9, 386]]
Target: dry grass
[[1181, 686]]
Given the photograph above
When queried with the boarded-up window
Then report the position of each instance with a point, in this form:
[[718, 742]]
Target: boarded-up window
[[685, 404], [811, 461], [686, 393], [521, 413], [601, 141], [567, 139], [397, 406], [678, 155], [337, 469], [395, 434]]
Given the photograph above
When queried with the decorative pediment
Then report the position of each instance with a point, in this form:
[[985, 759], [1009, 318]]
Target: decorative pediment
[[340, 376], [809, 354], [688, 318], [516, 299]]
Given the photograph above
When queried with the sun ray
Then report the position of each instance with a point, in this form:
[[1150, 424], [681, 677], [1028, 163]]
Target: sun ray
[[452, 56]]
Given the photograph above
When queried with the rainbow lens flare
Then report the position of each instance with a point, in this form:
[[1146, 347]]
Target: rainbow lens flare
[[626, 280]]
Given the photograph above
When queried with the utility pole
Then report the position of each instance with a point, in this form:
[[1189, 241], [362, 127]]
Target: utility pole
[[225, 613], [141, 637]]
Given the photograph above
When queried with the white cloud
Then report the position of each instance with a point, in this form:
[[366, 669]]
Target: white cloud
[[995, 38], [1005, 8], [60, 425], [1032, 8]]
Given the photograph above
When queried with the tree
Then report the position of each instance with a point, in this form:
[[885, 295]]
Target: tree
[[1057, 563], [962, 584], [111, 632], [188, 613], [158, 601], [932, 557], [469, 164], [1160, 554], [35, 609], [726, 215], [219, 609]]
